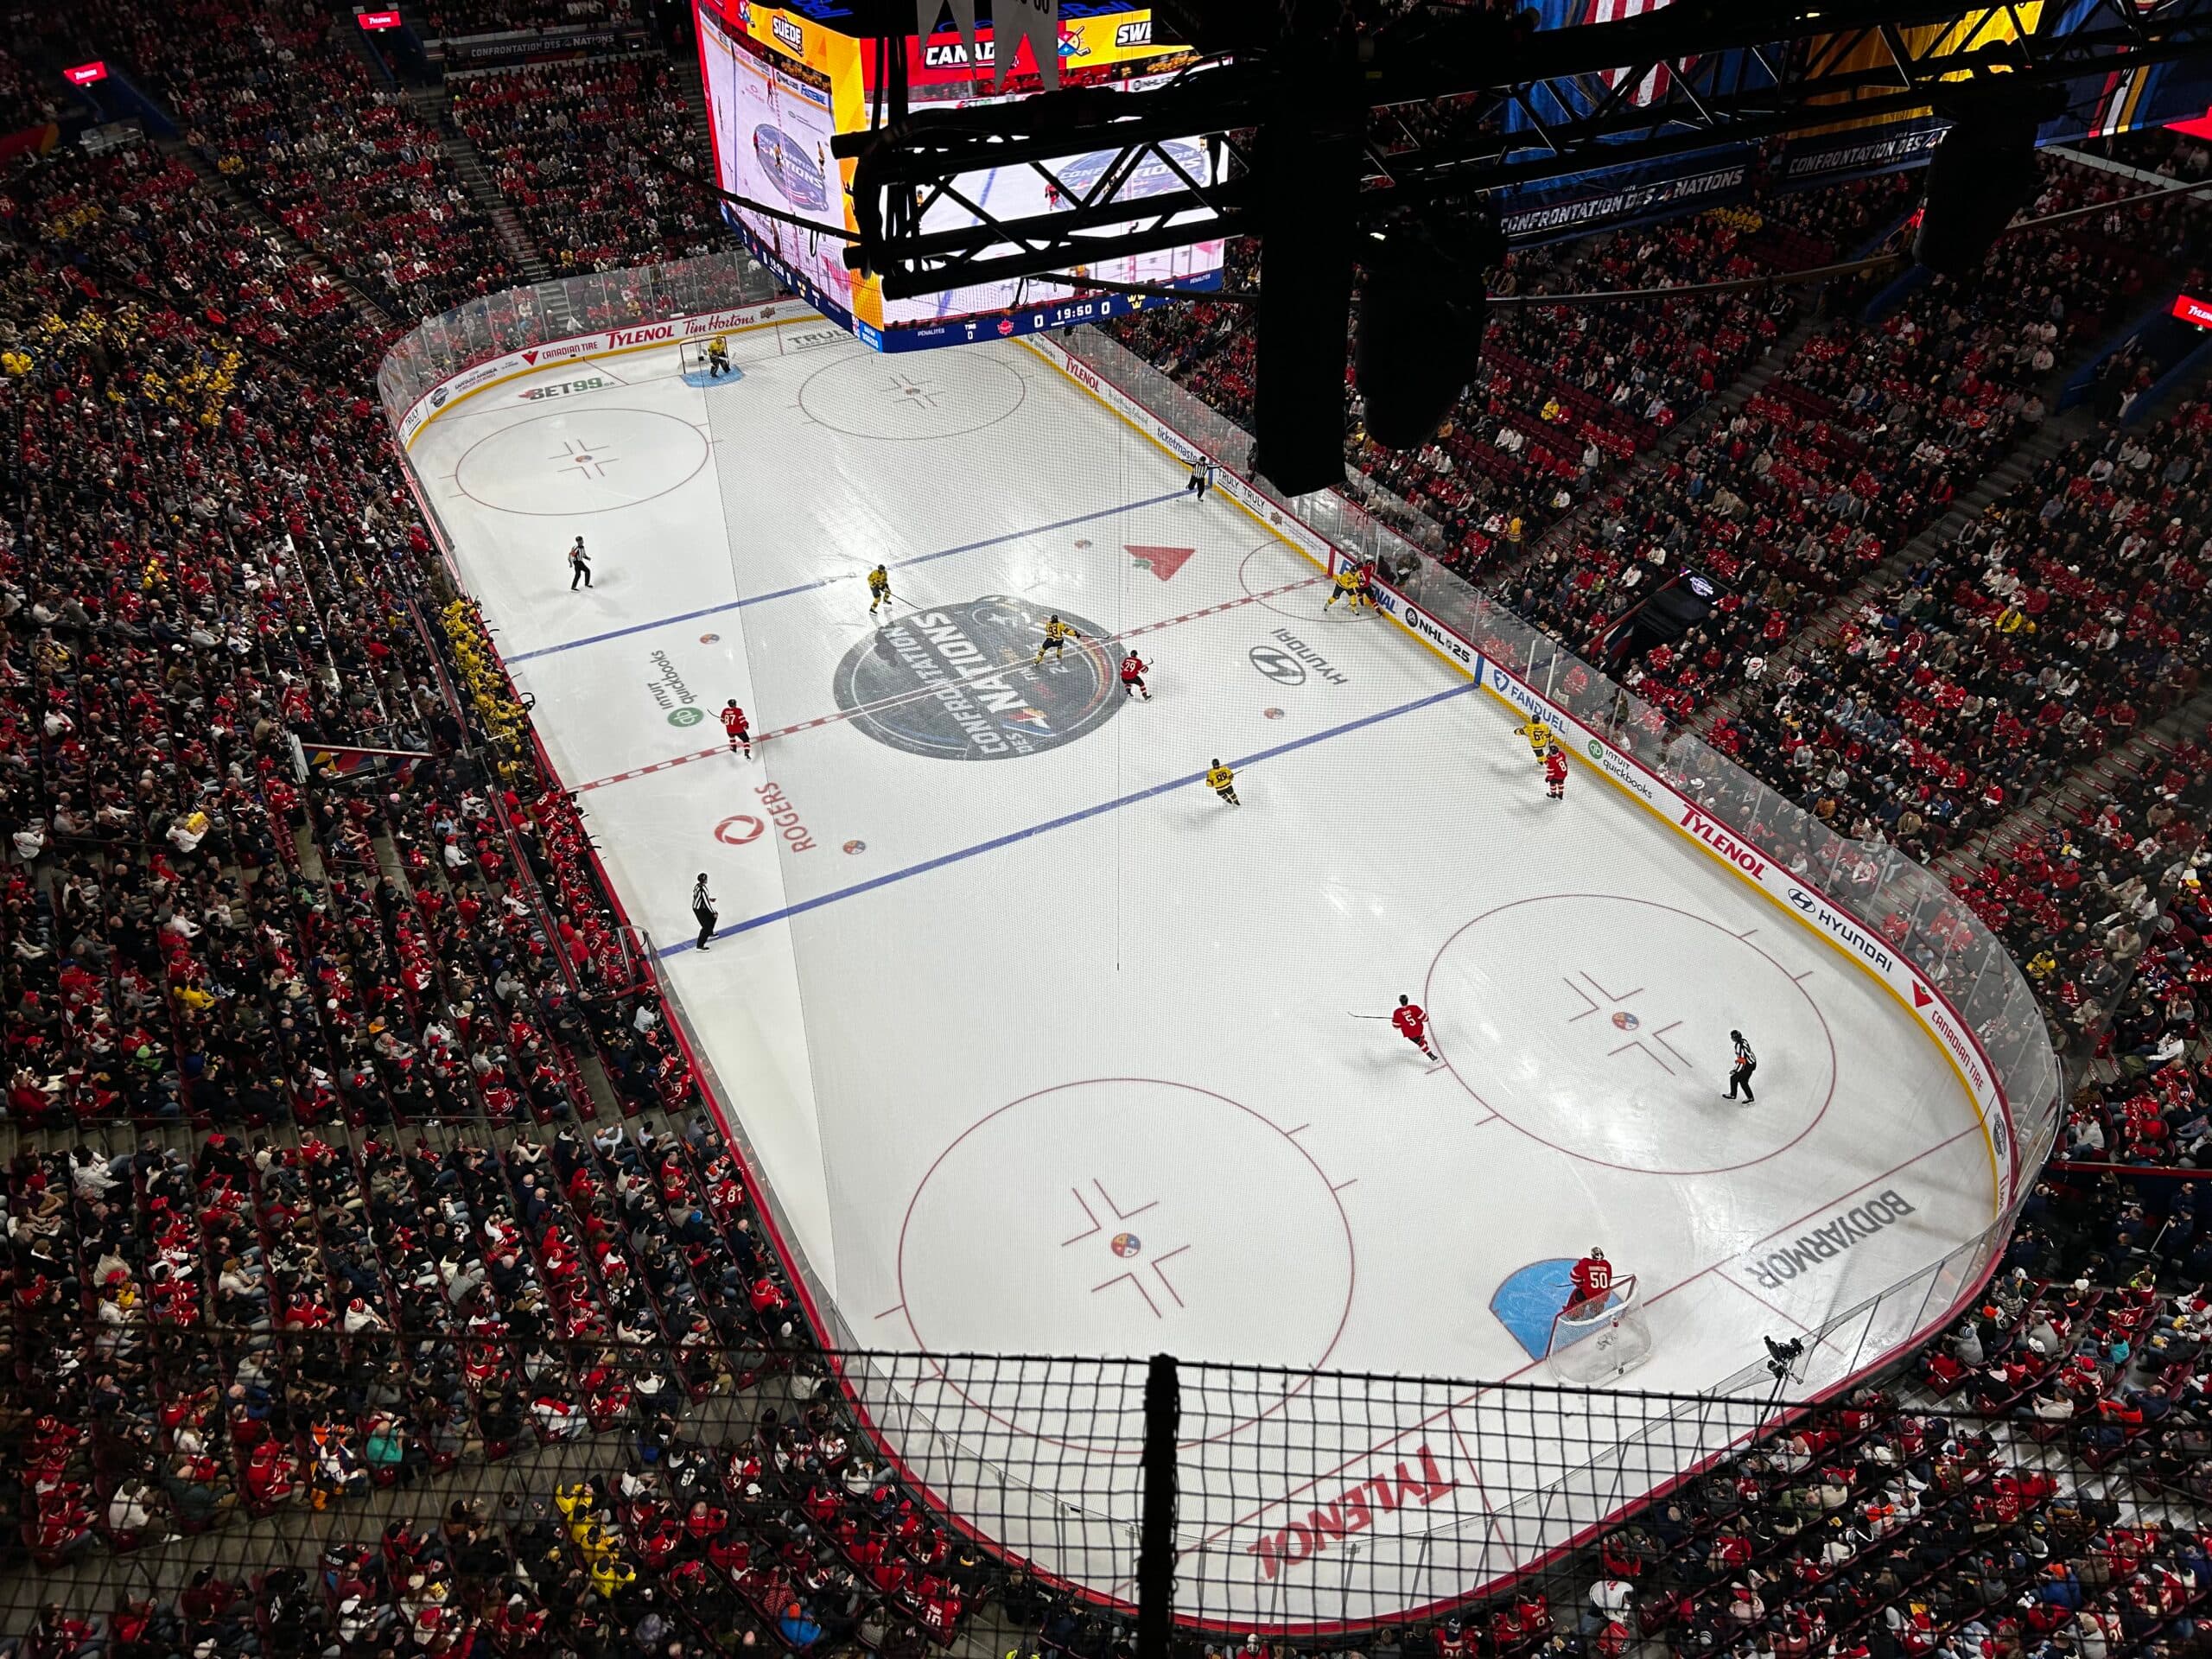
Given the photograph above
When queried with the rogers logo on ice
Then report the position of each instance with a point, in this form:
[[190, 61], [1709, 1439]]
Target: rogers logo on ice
[[1714, 835], [640, 336]]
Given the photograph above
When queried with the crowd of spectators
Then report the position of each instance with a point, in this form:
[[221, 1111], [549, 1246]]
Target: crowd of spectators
[[398, 1208], [1863, 439], [567, 146], [275, 100], [419, 1225], [145, 221], [1567, 394], [2110, 904], [2058, 623], [25, 99], [1884, 1529], [274, 1325], [2055, 625]]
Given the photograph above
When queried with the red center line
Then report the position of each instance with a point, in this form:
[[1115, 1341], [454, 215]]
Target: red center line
[[926, 691]]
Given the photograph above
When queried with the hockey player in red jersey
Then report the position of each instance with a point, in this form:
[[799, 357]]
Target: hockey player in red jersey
[[1594, 1278], [740, 728], [1412, 1019], [1556, 773], [1133, 669]]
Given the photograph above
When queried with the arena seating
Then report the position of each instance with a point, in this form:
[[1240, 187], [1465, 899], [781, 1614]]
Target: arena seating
[[350, 1147], [566, 147], [145, 219], [25, 97], [2062, 621], [1862, 440], [1568, 393], [266, 93]]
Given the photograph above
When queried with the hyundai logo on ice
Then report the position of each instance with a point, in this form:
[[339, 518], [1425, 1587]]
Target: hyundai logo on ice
[[1279, 666]]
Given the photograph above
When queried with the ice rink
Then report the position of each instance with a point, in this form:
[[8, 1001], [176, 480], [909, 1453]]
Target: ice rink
[[1047, 1051]]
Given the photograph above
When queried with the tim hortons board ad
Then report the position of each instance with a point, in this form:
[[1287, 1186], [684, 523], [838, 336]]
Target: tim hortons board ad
[[580, 346]]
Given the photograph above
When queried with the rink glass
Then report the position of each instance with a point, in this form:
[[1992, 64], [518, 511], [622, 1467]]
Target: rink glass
[[1572, 1456]]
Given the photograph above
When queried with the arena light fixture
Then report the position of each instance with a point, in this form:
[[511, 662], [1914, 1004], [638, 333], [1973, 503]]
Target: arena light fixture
[[1983, 173], [1421, 315]]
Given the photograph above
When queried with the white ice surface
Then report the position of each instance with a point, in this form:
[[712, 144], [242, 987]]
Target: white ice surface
[[1060, 1057]]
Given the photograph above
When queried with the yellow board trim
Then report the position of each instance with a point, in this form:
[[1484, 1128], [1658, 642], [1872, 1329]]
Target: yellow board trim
[[592, 356], [1988, 1143]]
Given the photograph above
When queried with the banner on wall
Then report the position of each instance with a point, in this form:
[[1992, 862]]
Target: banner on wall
[[465, 53], [1853, 146], [462, 382]]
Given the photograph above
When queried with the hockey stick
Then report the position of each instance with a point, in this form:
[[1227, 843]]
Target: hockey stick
[[1367, 1016]]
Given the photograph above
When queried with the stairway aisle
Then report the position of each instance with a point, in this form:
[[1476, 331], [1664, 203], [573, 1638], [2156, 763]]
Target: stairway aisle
[[379, 320], [435, 105]]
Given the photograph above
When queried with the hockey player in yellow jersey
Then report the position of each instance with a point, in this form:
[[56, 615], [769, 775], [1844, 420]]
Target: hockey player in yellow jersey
[[1538, 733], [1222, 781], [1350, 582], [879, 588], [1057, 635]]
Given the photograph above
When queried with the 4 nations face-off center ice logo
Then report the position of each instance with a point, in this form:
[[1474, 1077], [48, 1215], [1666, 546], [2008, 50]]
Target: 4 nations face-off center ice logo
[[960, 681], [798, 177]]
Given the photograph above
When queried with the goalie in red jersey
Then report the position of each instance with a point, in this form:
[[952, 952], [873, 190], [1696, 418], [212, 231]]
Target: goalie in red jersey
[[1593, 1279]]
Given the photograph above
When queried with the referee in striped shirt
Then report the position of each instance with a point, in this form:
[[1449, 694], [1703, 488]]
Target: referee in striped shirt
[[1746, 1063]]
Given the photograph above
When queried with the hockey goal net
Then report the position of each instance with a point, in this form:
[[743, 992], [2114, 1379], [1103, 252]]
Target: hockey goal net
[[698, 365], [1596, 1341]]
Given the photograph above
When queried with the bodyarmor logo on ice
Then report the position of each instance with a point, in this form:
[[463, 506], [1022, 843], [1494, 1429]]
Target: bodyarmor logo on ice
[[1723, 842], [961, 682], [1843, 926], [1823, 1244], [1417, 1483]]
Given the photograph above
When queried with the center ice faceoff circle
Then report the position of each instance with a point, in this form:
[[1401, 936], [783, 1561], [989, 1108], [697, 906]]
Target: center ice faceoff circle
[[1598, 1024], [562, 466], [1126, 1216], [870, 396], [962, 681]]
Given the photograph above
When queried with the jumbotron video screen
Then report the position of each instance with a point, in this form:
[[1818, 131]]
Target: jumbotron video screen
[[779, 83]]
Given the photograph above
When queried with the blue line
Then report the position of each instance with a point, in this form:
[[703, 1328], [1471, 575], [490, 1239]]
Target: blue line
[[1062, 821], [809, 587]]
